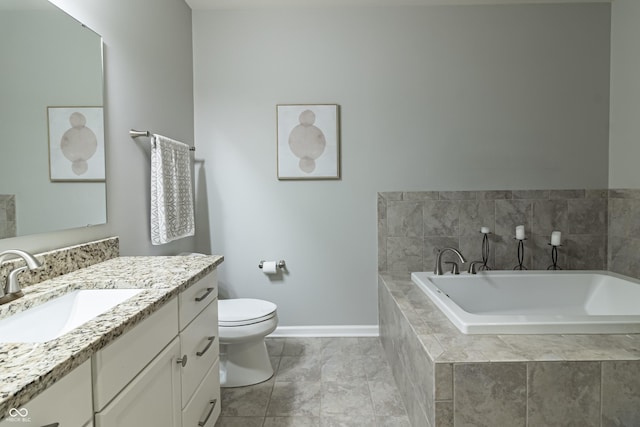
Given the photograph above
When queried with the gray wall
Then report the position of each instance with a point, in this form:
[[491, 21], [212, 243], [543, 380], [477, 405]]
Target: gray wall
[[624, 149], [149, 78], [444, 98]]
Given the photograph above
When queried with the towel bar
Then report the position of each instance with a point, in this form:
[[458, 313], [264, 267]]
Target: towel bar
[[137, 133]]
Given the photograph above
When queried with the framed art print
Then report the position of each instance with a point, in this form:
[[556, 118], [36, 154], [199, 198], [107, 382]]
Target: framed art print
[[76, 143], [308, 141]]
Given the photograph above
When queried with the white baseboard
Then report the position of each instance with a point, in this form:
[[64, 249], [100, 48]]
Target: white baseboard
[[326, 331]]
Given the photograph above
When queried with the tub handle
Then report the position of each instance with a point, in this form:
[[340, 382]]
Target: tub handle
[[454, 267], [472, 266]]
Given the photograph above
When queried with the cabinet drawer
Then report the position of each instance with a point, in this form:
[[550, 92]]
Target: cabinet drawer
[[199, 341], [151, 399], [116, 364], [194, 299], [52, 405], [205, 403]]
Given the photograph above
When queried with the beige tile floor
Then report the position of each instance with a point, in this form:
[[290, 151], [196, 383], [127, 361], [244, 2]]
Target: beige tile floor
[[319, 382]]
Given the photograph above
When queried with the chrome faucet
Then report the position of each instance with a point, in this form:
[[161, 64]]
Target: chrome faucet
[[438, 269], [11, 290]]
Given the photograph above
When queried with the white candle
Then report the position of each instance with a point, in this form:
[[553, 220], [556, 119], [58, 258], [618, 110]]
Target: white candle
[[484, 230], [520, 232], [555, 238]]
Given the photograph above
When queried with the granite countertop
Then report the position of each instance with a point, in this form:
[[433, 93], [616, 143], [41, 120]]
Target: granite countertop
[[446, 344], [26, 369]]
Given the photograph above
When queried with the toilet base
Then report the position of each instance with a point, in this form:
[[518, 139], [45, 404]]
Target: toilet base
[[244, 364]]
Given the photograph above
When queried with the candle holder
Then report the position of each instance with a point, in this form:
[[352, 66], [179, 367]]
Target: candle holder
[[485, 252], [554, 257], [520, 265]]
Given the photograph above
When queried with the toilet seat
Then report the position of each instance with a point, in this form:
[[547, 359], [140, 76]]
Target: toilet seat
[[244, 311]]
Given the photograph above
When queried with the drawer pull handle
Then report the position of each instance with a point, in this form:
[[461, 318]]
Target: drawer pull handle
[[209, 290], [213, 405], [52, 425], [182, 361], [204, 350]]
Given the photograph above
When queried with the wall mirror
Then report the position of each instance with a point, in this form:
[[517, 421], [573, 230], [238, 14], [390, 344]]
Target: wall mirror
[[52, 165]]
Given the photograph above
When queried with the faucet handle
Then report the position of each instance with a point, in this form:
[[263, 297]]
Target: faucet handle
[[472, 266], [12, 286], [454, 267]]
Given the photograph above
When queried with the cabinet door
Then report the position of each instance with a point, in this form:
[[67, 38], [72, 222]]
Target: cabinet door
[[116, 364], [53, 405], [151, 399]]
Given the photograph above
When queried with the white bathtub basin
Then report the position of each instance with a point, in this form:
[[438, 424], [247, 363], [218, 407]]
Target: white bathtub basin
[[55, 318], [536, 302]]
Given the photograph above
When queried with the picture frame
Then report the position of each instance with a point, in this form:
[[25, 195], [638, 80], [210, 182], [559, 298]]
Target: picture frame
[[76, 144], [308, 141]]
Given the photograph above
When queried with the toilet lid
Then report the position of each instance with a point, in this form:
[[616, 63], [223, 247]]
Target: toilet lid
[[242, 311]]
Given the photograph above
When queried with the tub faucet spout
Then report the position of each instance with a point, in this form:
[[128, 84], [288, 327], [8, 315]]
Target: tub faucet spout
[[438, 270]]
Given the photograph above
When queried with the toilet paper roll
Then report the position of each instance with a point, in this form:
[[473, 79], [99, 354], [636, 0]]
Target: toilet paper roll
[[269, 267]]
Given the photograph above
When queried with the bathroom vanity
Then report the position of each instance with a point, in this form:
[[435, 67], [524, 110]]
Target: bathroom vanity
[[151, 360]]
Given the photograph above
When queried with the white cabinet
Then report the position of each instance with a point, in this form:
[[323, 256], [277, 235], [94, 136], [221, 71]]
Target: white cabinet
[[67, 403], [151, 399], [164, 372], [118, 363]]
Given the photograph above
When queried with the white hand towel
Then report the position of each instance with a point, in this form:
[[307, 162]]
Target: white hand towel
[[172, 214]]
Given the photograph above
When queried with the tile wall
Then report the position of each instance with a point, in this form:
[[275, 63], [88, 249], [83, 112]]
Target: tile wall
[[600, 228], [7, 216], [624, 232]]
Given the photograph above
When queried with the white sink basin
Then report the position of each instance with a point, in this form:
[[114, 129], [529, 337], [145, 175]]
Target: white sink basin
[[55, 318]]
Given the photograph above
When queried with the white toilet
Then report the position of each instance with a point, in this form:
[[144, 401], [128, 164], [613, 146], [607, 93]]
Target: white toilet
[[243, 324]]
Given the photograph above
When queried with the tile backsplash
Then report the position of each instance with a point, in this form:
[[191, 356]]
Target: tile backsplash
[[600, 228], [7, 216], [63, 260]]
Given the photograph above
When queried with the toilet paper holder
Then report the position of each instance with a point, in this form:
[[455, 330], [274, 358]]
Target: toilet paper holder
[[281, 264]]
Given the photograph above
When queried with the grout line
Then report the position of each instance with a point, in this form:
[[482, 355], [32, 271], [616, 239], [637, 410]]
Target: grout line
[[526, 403], [601, 394]]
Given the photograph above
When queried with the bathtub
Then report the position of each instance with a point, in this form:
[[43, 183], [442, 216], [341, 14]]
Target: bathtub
[[536, 302]]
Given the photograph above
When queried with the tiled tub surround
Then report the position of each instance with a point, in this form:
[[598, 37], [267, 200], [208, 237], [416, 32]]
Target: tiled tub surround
[[412, 225], [447, 378], [28, 369]]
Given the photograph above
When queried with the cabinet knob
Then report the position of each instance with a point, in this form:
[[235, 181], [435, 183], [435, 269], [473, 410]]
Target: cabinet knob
[[182, 361]]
